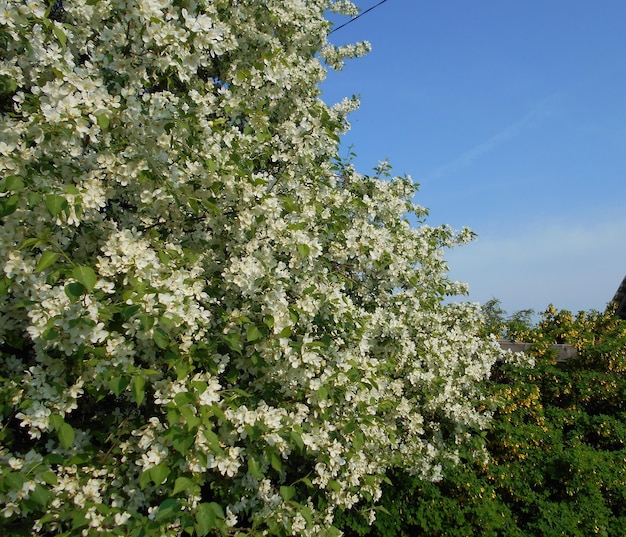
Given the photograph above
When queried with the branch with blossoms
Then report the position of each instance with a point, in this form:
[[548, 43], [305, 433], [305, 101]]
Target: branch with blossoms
[[210, 325]]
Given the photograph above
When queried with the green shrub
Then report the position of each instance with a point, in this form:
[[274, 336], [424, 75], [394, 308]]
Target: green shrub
[[557, 464]]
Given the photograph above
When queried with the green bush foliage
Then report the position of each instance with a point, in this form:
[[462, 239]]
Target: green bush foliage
[[557, 446]]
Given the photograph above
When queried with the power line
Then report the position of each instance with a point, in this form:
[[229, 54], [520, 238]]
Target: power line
[[357, 17]]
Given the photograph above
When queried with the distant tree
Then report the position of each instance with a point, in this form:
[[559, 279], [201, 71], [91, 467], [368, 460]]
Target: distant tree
[[514, 327], [494, 317]]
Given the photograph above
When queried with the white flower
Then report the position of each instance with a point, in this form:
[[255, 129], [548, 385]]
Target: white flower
[[200, 24], [210, 395], [9, 509], [15, 464], [231, 519], [227, 466], [121, 518], [36, 417]]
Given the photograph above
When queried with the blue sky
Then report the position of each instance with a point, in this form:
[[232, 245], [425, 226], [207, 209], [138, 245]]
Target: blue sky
[[512, 118]]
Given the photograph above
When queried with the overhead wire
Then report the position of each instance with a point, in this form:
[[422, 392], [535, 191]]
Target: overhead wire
[[357, 17]]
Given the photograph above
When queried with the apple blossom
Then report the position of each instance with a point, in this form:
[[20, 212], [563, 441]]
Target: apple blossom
[[210, 322]]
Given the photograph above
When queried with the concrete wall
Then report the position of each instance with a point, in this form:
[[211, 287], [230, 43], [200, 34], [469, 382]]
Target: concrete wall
[[565, 351]]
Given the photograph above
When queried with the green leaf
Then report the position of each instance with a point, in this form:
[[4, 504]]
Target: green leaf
[[354, 374], [78, 521], [33, 199], [54, 458], [47, 259], [182, 484], [184, 398], [253, 333], [145, 479], [50, 334], [232, 376], [289, 204], [168, 510], [383, 510], [295, 436], [322, 393], [160, 338], [173, 416], [8, 205], [83, 458], [192, 420], [304, 250], [138, 389], [54, 276], [334, 485], [41, 495], [262, 136], [13, 183], [71, 189], [233, 342], [187, 524], [86, 276], [306, 512], [56, 204], [146, 322], [276, 463], [349, 427], [14, 480], [28, 243], [211, 206], [56, 421], [5, 284], [75, 290], [103, 121], [60, 35], [287, 493], [49, 478], [159, 473], [89, 323], [66, 436], [254, 470], [214, 443], [182, 442], [217, 509], [118, 385], [285, 332], [205, 519], [129, 311], [24, 304], [7, 85]]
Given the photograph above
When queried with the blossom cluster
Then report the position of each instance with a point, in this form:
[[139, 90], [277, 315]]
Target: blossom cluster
[[209, 323]]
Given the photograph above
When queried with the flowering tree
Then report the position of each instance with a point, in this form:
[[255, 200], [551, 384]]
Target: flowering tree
[[209, 324]]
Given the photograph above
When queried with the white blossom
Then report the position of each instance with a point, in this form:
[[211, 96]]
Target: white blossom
[[201, 304]]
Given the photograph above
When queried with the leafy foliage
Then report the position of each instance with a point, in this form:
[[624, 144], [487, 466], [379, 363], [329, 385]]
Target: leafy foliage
[[557, 447]]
